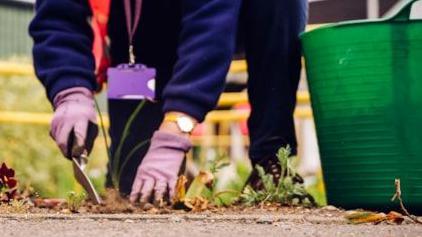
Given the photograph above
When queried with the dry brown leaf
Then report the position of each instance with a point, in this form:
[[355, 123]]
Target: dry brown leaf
[[180, 190], [197, 204], [395, 217], [360, 217], [206, 177], [192, 199]]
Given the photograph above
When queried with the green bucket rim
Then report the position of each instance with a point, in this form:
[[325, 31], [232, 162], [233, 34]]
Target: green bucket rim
[[399, 14]]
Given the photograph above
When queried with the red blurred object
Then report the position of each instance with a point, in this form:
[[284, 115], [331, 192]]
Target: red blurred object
[[243, 124], [199, 130], [100, 15], [8, 183], [50, 203]]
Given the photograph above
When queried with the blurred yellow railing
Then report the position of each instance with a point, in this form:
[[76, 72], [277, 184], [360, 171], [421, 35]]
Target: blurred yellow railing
[[25, 117], [17, 117], [233, 98], [17, 69], [10, 69]]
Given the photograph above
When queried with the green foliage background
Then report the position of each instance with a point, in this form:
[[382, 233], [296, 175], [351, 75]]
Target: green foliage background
[[30, 150]]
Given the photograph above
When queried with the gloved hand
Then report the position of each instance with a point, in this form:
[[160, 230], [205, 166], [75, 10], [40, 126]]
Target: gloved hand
[[159, 170], [74, 110]]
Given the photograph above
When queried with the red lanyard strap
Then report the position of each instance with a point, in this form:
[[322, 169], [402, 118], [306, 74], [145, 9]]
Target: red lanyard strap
[[131, 28]]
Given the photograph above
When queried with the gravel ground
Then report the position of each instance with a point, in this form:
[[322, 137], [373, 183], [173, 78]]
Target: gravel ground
[[194, 225]]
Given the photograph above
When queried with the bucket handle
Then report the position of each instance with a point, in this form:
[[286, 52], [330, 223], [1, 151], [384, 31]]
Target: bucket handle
[[401, 12]]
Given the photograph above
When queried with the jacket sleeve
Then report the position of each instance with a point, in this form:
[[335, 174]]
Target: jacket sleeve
[[206, 45], [63, 41]]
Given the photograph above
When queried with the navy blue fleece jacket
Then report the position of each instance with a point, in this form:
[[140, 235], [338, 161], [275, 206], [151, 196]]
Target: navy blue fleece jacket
[[193, 75]]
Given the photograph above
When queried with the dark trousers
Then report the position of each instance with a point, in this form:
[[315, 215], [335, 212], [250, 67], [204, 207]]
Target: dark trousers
[[144, 125], [269, 32]]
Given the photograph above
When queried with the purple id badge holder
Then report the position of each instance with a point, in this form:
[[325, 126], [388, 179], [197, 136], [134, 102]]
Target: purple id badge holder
[[131, 81]]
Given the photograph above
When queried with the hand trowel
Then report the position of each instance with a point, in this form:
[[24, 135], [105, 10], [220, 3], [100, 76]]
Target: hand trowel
[[79, 163]]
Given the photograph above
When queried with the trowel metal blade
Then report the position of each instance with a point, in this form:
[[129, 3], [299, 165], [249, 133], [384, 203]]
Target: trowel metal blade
[[86, 183]]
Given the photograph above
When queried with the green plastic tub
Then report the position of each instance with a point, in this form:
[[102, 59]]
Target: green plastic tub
[[365, 80]]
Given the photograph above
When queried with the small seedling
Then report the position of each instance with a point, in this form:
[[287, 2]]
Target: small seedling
[[75, 201], [286, 192]]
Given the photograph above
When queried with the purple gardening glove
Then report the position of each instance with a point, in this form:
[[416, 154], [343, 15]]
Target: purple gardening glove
[[74, 113], [159, 170]]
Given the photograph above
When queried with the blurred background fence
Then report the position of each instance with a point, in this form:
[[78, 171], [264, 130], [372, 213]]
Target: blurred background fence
[[14, 19]]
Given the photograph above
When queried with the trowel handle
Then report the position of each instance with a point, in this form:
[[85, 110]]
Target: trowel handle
[[91, 134]]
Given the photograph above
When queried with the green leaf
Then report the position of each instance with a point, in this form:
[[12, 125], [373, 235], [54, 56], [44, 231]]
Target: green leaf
[[126, 132]]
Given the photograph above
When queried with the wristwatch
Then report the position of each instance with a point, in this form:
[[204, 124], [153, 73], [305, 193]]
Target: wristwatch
[[185, 123]]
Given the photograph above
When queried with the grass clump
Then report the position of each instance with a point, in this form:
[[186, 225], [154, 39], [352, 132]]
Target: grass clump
[[75, 201], [286, 192], [203, 191], [15, 206]]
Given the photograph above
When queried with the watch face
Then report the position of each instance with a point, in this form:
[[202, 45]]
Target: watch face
[[185, 124]]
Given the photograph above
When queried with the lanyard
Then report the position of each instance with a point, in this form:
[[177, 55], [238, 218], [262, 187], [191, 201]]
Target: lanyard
[[131, 29]]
